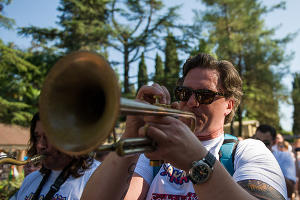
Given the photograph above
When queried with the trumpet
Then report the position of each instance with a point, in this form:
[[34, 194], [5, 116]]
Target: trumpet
[[80, 103], [8, 160]]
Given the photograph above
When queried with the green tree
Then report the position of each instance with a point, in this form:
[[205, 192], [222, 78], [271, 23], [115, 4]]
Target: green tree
[[84, 26], [159, 70], [296, 102], [172, 64], [17, 75], [17, 92], [136, 25], [142, 73], [5, 22], [238, 34]]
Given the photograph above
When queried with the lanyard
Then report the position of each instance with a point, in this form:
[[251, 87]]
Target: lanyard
[[54, 187]]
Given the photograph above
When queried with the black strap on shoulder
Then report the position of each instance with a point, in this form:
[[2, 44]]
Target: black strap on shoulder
[[42, 183], [63, 176]]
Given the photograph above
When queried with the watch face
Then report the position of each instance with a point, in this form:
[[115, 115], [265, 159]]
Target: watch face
[[201, 172]]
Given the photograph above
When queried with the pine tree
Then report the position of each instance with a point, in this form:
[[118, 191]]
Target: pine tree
[[237, 32], [159, 70], [17, 92], [142, 73], [172, 64], [84, 26], [296, 102], [136, 25]]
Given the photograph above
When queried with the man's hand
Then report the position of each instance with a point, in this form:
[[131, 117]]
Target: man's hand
[[176, 143], [146, 94]]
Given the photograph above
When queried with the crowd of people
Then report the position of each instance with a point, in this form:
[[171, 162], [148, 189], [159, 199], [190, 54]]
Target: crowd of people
[[195, 163]]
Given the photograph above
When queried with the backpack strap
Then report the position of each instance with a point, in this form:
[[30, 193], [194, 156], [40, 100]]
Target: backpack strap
[[156, 170], [227, 152]]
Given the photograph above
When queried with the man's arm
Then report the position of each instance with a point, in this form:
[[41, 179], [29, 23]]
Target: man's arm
[[138, 188], [260, 189], [179, 146], [290, 186], [111, 179]]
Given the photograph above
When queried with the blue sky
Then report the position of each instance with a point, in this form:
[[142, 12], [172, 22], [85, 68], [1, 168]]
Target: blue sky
[[43, 13]]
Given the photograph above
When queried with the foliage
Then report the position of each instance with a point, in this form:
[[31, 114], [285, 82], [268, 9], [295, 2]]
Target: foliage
[[172, 64], [237, 32], [142, 73], [159, 70], [84, 26], [10, 187], [5, 22], [296, 102], [136, 25], [17, 93]]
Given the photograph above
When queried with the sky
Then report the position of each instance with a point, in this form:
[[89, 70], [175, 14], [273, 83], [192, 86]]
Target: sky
[[43, 13]]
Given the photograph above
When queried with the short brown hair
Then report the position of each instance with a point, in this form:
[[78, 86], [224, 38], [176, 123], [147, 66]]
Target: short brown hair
[[79, 163], [231, 81]]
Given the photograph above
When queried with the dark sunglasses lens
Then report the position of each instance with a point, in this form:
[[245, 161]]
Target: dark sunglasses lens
[[182, 94], [205, 97]]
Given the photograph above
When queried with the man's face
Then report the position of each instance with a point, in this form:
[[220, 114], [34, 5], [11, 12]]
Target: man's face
[[209, 117], [266, 138], [53, 158], [279, 138]]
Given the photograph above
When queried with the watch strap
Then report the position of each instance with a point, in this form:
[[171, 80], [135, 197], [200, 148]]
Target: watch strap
[[210, 159]]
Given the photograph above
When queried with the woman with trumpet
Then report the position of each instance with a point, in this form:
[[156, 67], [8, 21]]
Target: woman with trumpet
[[61, 176]]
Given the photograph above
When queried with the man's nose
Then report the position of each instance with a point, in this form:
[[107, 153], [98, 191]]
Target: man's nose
[[192, 102]]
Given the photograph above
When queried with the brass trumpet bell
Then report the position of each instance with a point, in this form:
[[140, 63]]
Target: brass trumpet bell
[[79, 102]]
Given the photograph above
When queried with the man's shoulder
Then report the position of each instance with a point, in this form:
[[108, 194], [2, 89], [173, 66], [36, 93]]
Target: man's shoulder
[[33, 175], [251, 143], [92, 168], [251, 149]]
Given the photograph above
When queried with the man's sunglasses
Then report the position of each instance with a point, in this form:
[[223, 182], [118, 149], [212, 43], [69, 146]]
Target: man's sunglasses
[[202, 96]]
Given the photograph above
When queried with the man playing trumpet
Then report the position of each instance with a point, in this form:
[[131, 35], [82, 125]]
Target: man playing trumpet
[[212, 90]]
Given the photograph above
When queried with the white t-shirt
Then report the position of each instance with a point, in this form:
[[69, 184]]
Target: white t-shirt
[[252, 161], [71, 189], [287, 164]]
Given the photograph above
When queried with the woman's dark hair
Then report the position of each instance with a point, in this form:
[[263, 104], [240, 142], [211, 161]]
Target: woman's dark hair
[[78, 164], [231, 82]]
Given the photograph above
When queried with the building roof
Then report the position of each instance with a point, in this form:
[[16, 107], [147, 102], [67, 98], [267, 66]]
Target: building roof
[[13, 137]]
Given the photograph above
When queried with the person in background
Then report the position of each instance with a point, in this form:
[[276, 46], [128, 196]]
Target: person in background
[[279, 140], [61, 176], [267, 134], [212, 90]]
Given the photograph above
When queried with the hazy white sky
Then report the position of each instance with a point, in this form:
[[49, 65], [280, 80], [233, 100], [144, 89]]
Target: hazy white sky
[[43, 13]]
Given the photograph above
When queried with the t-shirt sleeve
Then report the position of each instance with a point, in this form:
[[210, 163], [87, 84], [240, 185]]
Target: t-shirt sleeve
[[253, 160], [144, 169]]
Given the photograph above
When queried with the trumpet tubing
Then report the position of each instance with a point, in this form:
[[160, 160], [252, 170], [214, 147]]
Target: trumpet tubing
[[7, 160]]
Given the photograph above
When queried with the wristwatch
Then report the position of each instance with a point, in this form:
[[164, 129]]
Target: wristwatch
[[202, 169]]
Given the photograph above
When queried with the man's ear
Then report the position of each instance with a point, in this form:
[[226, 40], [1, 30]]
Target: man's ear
[[229, 106]]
